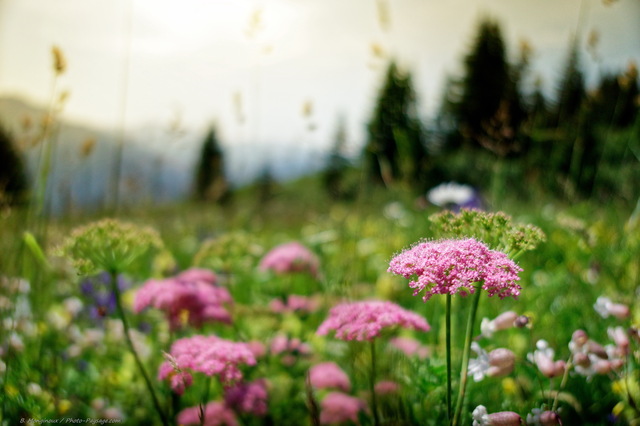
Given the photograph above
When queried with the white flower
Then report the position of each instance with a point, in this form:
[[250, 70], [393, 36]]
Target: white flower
[[480, 416], [450, 193]]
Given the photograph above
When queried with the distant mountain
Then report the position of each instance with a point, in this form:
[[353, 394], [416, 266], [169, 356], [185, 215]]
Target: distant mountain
[[157, 166]]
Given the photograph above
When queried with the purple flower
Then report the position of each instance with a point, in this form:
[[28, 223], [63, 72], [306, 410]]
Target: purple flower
[[327, 375], [366, 320], [193, 291], [338, 407], [210, 355], [248, 398], [290, 257], [453, 266], [97, 289]]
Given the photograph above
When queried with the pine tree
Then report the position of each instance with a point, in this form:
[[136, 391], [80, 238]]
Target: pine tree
[[395, 148], [571, 90], [13, 179], [210, 181], [337, 163], [490, 109]]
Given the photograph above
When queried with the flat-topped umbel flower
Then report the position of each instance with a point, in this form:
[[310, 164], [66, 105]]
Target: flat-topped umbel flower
[[454, 267]]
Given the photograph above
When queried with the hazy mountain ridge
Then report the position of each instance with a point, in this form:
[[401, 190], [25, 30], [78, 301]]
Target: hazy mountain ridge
[[157, 165]]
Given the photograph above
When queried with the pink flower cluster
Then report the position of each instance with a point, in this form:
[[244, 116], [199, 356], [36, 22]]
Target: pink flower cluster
[[453, 266], [210, 355], [366, 320], [248, 398], [327, 375], [338, 407], [295, 303], [290, 349], [193, 292], [216, 413], [410, 347], [290, 257]]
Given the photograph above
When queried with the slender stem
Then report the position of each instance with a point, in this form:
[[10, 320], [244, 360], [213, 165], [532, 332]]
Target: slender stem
[[465, 354], [125, 325], [448, 351], [372, 384]]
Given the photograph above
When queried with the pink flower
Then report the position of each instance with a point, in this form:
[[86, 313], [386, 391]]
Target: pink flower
[[290, 349], [295, 303], [366, 320], [410, 347], [216, 413], [328, 375], [501, 322], [193, 292], [498, 362], [453, 266], [248, 398], [338, 407], [290, 257], [210, 355], [605, 307], [542, 357], [386, 387], [504, 418]]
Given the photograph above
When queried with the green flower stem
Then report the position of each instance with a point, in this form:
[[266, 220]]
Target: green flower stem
[[372, 384], [125, 325], [465, 354], [448, 351]]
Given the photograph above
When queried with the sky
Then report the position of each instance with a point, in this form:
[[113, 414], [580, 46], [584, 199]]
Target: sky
[[279, 71]]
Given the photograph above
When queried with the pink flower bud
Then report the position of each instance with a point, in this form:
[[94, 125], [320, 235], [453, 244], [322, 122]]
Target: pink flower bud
[[619, 310], [504, 320], [549, 418], [581, 359], [579, 337], [505, 418], [619, 336], [501, 362]]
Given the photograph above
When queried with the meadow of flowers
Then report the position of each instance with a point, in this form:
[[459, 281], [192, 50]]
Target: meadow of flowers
[[340, 315]]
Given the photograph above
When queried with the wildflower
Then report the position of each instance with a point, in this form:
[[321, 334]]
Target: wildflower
[[453, 266], [295, 303], [97, 289], [410, 347], [620, 338], [543, 358], [59, 61], [605, 307], [109, 245], [290, 257], [454, 196], [501, 322], [210, 355], [386, 387], [291, 349], [193, 292], [328, 375], [503, 418], [539, 417], [498, 362], [248, 398], [338, 407], [366, 320], [216, 413]]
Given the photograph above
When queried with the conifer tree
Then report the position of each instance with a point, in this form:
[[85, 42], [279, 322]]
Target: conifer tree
[[490, 109], [395, 148], [210, 181], [336, 164], [571, 90], [13, 179]]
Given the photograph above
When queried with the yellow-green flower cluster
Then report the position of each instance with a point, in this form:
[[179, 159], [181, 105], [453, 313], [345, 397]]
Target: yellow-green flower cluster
[[109, 245], [494, 229]]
